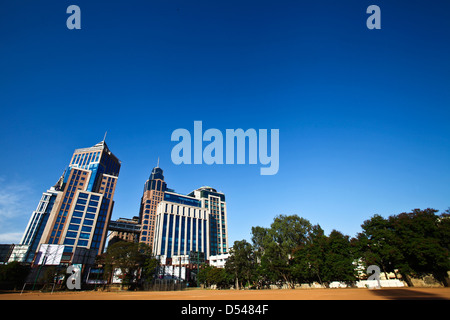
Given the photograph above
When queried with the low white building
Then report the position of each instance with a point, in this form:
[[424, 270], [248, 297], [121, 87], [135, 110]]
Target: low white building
[[219, 260]]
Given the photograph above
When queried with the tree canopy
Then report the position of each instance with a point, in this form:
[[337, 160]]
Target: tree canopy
[[292, 250]]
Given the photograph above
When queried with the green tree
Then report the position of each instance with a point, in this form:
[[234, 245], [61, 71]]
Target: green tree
[[210, 275], [13, 275], [130, 258], [339, 257], [324, 259], [150, 267], [241, 263], [422, 238], [414, 243], [377, 245], [275, 246], [310, 256]]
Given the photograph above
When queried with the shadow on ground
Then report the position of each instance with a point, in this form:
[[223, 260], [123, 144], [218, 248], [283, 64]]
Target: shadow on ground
[[409, 294]]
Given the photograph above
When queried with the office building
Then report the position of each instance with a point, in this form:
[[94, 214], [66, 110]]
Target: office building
[[175, 225], [153, 194], [182, 226], [75, 213], [38, 220], [215, 203]]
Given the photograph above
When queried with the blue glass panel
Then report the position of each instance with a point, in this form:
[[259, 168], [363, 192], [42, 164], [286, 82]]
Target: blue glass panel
[[91, 209], [83, 195], [90, 215], [86, 229], [71, 234], [77, 214], [79, 207], [74, 227], [69, 241], [75, 220]]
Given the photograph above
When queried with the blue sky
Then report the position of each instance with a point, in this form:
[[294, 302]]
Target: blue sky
[[363, 114]]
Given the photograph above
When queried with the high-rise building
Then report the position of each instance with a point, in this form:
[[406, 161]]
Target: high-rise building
[[154, 189], [76, 212], [38, 220], [182, 226], [175, 225], [215, 203]]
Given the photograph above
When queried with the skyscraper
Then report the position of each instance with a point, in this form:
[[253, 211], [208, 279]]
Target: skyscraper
[[174, 224], [215, 203], [38, 220], [76, 212], [154, 189], [182, 226]]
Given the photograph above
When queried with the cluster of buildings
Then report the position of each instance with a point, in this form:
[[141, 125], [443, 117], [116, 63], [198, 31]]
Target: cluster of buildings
[[72, 222]]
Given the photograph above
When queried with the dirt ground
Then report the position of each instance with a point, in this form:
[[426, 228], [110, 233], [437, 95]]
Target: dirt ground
[[282, 294]]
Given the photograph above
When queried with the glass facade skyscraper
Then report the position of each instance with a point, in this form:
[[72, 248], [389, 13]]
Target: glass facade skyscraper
[[76, 212], [153, 194], [175, 224], [181, 227], [215, 203], [38, 221]]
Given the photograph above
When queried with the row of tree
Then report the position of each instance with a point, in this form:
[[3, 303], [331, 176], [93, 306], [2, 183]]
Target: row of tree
[[292, 250]]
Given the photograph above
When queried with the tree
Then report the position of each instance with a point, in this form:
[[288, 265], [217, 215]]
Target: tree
[[422, 238], [338, 264], [275, 246], [149, 268], [376, 245], [241, 263], [414, 243], [13, 275], [324, 259], [130, 258], [210, 275]]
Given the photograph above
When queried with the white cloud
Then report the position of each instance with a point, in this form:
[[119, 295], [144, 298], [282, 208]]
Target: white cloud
[[15, 204], [13, 200], [12, 237]]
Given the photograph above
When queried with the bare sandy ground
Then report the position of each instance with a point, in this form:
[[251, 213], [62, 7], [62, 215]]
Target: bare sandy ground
[[282, 294]]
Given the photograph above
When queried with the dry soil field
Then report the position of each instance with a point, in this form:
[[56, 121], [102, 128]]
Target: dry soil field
[[282, 294]]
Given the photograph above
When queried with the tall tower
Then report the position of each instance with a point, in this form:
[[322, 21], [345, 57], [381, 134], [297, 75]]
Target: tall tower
[[80, 215], [38, 220], [154, 189], [214, 201]]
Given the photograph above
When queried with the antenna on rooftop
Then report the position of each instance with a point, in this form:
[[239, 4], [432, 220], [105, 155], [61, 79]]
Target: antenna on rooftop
[[104, 138]]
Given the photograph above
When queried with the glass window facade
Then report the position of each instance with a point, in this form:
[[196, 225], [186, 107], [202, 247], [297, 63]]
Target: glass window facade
[[181, 232], [182, 200]]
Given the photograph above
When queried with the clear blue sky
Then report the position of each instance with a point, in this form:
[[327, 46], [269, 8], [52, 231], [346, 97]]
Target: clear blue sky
[[363, 114]]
